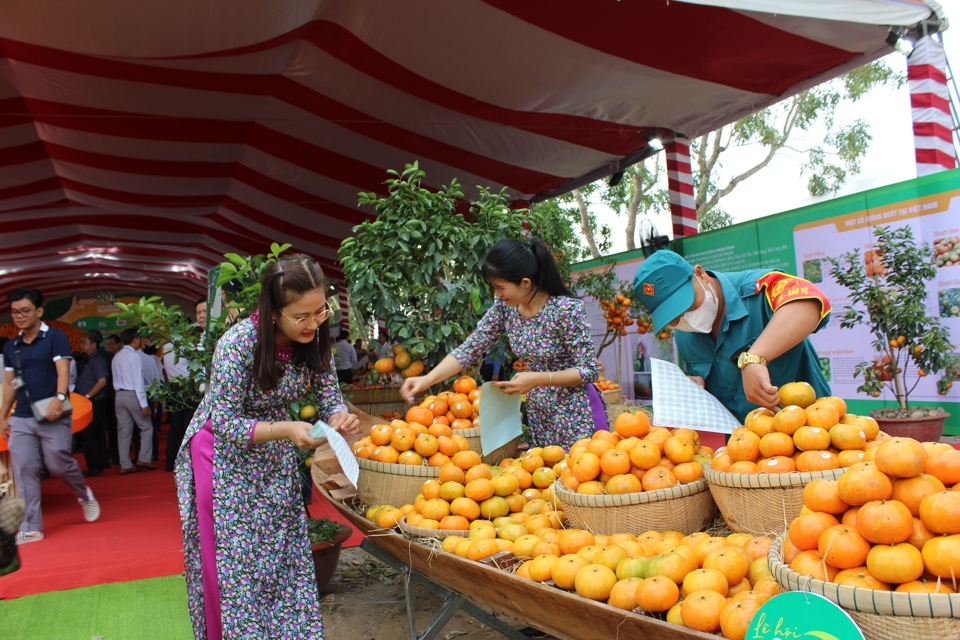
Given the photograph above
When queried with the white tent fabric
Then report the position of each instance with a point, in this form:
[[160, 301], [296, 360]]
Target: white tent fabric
[[140, 140]]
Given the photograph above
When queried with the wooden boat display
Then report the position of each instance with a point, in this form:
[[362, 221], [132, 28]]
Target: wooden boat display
[[558, 612]]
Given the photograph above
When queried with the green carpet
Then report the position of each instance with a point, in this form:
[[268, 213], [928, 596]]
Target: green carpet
[[154, 609]]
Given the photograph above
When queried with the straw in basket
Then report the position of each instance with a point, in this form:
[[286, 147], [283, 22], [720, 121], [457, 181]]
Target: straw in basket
[[761, 503], [508, 450], [881, 615], [394, 484], [686, 508]]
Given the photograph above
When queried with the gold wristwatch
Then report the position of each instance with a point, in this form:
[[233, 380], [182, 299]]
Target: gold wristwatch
[[749, 358]]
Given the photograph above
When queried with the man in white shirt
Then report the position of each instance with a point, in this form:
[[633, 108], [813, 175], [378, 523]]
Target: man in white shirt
[[176, 369], [131, 402], [152, 372], [344, 357]]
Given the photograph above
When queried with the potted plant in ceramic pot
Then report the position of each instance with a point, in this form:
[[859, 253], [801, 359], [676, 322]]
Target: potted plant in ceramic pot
[[326, 541], [888, 291]]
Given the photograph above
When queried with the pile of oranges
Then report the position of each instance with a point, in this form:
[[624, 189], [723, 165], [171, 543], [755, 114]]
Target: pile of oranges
[[494, 502], [428, 435], [889, 523], [615, 313], [634, 457], [520, 365], [808, 434], [401, 361], [722, 581], [606, 385]]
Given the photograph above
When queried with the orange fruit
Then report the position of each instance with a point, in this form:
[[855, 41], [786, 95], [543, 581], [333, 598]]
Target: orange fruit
[[660, 478], [941, 557], [863, 483], [805, 530], [945, 466], [860, 577], [940, 512], [658, 436], [824, 495], [733, 564], [884, 522], [822, 415], [624, 483], [900, 457], [645, 455], [850, 457], [624, 594], [811, 439], [837, 403], [700, 579], [657, 594], [777, 464], [701, 610], [615, 462], [686, 472], [564, 571], [476, 472], [743, 466], [678, 449], [924, 586], [910, 491], [810, 563], [801, 394], [896, 563], [789, 419], [595, 582], [843, 547], [419, 414], [380, 434], [386, 453], [735, 617], [466, 459], [776, 444], [632, 424], [479, 490], [920, 534], [743, 445], [757, 547]]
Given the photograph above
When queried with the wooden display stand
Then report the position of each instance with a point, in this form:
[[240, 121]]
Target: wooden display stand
[[562, 614]]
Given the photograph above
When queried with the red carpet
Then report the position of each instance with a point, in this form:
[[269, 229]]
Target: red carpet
[[138, 535]]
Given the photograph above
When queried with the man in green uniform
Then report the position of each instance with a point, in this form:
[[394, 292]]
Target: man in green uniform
[[741, 334]]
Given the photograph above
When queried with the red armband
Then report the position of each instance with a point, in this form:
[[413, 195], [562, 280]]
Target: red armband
[[781, 288]]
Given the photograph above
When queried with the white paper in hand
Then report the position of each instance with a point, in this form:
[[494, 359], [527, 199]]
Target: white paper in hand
[[678, 401], [348, 462], [500, 418]]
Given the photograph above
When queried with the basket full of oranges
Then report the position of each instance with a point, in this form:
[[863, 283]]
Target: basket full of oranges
[[636, 478], [757, 480], [883, 542]]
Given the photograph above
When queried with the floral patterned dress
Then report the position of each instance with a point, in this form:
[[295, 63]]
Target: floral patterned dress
[[265, 571], [557, 338]]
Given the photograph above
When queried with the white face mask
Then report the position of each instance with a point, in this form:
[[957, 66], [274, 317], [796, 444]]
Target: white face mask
[[701, 319]]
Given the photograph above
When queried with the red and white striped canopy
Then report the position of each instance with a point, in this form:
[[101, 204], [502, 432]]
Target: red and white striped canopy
[[140, 140]]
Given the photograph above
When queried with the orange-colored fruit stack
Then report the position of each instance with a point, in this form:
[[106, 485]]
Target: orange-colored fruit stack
[[888, 524], [615, 313], [633, 457], [499, 503], [808, 434], [722, 581]]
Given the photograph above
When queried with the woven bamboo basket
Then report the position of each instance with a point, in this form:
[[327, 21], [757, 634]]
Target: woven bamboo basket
[[508, 450], [612, 396], [420, 532], [686, 508], [394, 484], [881, 615], [761, 503]]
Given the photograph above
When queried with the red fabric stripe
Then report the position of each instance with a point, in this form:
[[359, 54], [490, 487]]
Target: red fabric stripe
[[13, 112], [681, 187], [926, 72], [767, 60], [139, 166], [22, 154], [30, 188], [141, 199], [935, 156], [293, 93], [279, 225], [419, 146], [929, 101], [284, 191], [932, 130]]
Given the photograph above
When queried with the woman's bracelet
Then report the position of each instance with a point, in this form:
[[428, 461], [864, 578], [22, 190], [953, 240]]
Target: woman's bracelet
[[270, 429], [550, 373]]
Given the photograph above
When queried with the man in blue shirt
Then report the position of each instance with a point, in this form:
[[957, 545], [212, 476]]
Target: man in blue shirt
[[37, 364], [741, 334]]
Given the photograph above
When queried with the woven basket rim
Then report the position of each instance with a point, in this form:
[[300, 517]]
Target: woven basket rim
[[422, 471], [788, 480], [920, 605], [471, 432], [430, 533], [566, 496]]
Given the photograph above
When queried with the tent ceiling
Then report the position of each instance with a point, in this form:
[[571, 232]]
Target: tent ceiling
[[141, 140]]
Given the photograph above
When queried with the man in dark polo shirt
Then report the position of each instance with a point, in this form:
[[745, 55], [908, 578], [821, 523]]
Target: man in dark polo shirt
[[92, 384], [37, 364]]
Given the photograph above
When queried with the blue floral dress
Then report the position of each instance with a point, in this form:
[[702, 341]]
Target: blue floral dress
[[557, 338], [265, 571]]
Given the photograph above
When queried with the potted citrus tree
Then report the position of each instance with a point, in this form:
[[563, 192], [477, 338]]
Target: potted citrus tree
[[888, 290], [326, 541]]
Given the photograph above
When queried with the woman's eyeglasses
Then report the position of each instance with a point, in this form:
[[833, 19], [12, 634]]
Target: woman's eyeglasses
[[319, 318]]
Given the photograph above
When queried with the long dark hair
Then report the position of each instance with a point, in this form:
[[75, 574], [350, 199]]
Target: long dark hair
[[513, 261], [283, 282]]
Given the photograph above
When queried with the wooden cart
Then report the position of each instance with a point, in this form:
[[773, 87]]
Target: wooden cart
[[562, 614]]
